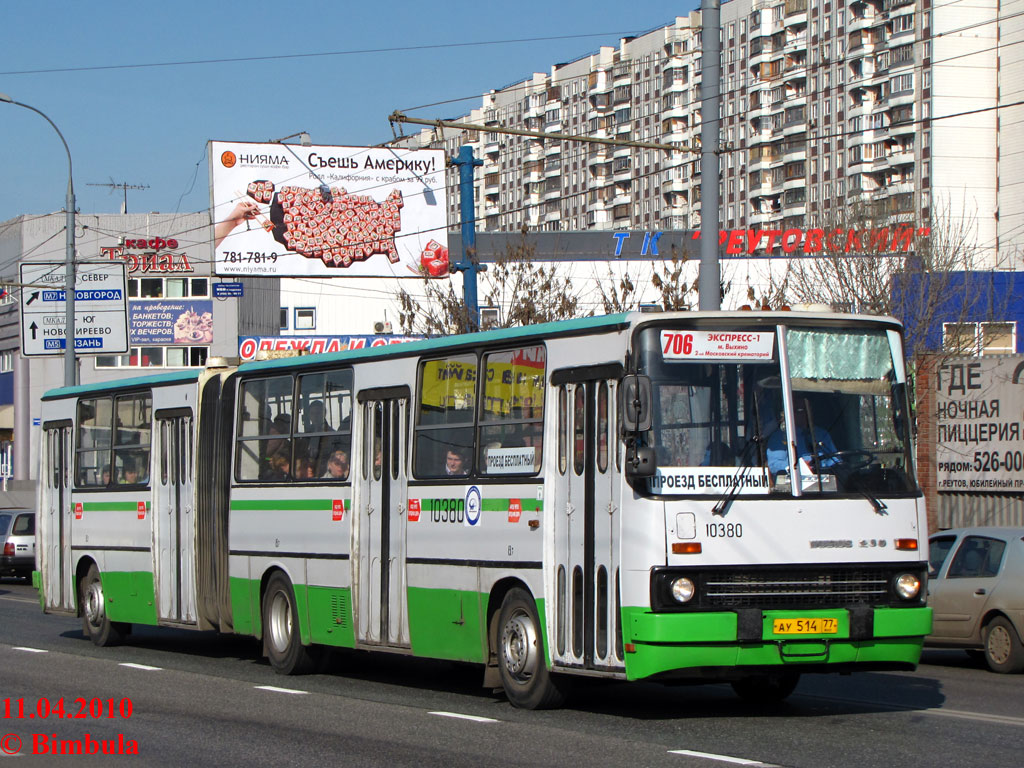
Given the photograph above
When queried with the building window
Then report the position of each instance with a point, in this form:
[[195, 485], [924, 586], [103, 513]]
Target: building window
[[305, 318], [156, 357], [171, 287], [284, 318], [993, 338]]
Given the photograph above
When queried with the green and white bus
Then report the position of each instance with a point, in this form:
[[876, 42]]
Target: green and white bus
[[683, 496]]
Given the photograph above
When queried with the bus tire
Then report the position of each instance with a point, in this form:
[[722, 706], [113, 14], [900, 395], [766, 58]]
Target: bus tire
[[96, 624], [1003, 650], [521, 664], [281, 640], [766, 689]]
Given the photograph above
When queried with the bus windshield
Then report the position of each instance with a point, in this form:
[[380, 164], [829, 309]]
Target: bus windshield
[[720, 411]]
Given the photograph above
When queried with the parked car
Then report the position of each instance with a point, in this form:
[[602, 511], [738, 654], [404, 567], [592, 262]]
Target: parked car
[[976, 592], [18, 546]]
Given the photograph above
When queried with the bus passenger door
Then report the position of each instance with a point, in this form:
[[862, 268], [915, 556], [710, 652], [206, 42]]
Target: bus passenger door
[[173, 516], [587, 611], [55, 519], [382, 617]]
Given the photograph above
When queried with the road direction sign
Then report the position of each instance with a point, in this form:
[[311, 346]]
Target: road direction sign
[[101, 308]]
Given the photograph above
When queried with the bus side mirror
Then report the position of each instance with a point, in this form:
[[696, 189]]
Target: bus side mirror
[[640, 461], [635, 398]]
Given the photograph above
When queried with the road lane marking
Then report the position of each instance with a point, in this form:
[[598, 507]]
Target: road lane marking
[[460, 716], [1003, 719], [20, 600], [954, 713], [720, 758], [29, 650], [144, 667], [275, 689]]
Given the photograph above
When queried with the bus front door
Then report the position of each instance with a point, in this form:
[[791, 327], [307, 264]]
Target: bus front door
[[55, 519], [382, 617], [173, 517], [587, 611]]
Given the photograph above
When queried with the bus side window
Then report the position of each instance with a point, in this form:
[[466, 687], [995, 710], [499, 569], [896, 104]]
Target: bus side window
[[512, 411], [563, 429], [445, 414]]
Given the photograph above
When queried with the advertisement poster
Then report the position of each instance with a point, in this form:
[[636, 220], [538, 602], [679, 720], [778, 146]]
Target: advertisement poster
[[249, 347], [979, 444], [162, 322], [291, 210]]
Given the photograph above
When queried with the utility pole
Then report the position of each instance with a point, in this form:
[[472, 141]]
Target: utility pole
[[710, 278], [467, 208], [123, 186]]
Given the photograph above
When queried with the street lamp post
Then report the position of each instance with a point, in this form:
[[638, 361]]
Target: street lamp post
[[70, 367]]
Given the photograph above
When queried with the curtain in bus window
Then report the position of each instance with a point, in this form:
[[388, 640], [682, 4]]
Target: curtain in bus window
[[847, 355], [264, 448], [324, 425], [133, 424], [445, 410], [512, 411], [92, 452], [845, 385]]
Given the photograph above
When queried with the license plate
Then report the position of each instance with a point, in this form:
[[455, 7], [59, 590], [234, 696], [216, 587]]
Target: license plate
[[805, 626]]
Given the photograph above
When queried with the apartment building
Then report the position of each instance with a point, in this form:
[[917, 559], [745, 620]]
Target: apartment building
[[902, 103]]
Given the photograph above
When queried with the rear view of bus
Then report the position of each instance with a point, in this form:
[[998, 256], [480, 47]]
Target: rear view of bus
[[775, 525]]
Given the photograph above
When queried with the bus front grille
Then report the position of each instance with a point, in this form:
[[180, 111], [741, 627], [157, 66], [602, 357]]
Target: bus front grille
[[795, 588]]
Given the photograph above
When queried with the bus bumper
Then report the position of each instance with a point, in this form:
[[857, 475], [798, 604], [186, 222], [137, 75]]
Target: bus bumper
[[708, 645]]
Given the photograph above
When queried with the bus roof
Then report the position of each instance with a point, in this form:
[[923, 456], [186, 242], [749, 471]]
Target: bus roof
[[154, 380], [543, 330]]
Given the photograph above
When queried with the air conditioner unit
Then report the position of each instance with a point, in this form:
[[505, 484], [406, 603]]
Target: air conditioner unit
[[382, 327]]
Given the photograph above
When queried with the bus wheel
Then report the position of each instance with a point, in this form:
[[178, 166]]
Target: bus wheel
[[524, 674], [1003, 650], [281, 641], [766, 689], [96, 625]]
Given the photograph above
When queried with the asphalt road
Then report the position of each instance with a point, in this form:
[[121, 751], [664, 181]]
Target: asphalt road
[[202, 698]]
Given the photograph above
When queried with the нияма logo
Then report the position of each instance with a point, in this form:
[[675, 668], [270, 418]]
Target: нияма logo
[[228, 159]]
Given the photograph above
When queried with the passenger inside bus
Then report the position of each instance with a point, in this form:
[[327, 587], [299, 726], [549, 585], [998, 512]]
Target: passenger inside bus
[[337, 466], [455, 461], [129, 472]]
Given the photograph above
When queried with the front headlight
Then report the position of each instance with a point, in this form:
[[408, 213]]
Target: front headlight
[[907, 585], [683, 589]]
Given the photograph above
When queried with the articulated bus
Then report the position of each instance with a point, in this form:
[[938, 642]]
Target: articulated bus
[[703, 496]]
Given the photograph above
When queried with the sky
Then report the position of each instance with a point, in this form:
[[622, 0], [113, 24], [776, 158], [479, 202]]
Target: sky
[[132, 113]]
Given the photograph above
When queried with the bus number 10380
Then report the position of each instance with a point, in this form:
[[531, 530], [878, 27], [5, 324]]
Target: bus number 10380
[[725, 530]]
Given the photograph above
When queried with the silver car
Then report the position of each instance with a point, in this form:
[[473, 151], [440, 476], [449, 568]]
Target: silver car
[[18, 547], [976, 592]]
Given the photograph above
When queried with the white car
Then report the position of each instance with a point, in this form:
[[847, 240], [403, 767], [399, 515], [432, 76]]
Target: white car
[[976, 592]]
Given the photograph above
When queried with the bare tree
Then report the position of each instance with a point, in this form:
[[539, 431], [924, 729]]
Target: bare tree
[[527, 292], [673, 293], [922, 287]]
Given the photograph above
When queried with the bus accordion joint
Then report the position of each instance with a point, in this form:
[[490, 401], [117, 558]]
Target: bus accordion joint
[[686, 548], [908, 545]]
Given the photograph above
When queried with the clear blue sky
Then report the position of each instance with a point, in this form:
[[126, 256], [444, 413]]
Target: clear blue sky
[[149, 125]]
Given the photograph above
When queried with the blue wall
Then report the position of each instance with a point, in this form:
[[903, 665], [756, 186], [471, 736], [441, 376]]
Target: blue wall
[[971, 297]]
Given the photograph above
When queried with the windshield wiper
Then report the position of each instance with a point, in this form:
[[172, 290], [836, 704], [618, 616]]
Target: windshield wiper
[[721, 507]]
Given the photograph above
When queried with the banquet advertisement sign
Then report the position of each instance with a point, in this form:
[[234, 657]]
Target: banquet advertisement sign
[[291, 210], [170, 322]]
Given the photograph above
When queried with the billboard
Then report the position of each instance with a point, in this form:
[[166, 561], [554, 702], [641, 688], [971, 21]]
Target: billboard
[[979, 443], [176, 321], [288, 210]]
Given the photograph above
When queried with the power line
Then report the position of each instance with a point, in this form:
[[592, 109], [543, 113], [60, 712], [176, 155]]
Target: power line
[[321, 54]]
